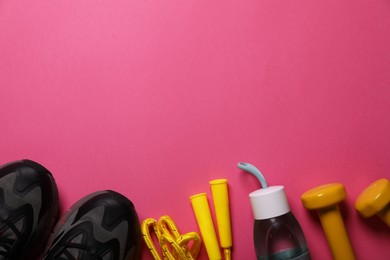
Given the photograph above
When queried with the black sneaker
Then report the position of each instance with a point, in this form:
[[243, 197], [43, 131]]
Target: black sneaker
[[28, 209], [103, 225]]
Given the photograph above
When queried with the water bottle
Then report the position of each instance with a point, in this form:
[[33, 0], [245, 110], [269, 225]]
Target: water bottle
[[277, 233]]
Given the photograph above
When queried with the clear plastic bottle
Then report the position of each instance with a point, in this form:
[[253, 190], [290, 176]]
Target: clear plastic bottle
[[280, 238], [277, 233]]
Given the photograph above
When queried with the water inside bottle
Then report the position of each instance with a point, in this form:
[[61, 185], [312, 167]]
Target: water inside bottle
[[279, 238]]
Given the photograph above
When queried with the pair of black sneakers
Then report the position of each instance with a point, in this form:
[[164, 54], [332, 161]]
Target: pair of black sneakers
[[103, 225]]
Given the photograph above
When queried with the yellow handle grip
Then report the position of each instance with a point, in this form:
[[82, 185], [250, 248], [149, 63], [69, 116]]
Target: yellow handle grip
[[219, 191], [201, 209]]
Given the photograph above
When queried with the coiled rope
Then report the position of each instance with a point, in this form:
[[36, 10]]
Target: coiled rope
[[173, 245]]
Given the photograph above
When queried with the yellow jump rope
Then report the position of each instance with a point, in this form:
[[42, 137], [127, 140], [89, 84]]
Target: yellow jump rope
[[176, 246]]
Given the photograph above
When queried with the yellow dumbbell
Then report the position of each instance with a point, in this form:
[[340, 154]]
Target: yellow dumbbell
[[325, 200], [375, 200]]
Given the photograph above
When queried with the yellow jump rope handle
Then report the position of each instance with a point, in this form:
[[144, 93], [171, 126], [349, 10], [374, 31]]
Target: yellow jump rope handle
[[201, 209], [174, 246], [219, 191]]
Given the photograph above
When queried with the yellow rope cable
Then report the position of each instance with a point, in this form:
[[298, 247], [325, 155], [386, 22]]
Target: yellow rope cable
[[173, 245], [227, 253]]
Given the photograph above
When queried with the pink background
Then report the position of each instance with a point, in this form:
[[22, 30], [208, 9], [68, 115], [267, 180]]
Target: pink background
[[156, 98]]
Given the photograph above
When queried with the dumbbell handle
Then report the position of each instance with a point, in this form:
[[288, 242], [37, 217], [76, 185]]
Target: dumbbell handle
[[385, 215], [336, 233]]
